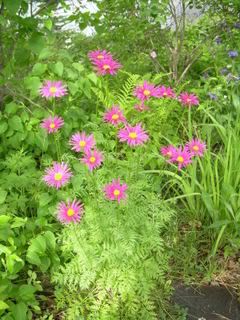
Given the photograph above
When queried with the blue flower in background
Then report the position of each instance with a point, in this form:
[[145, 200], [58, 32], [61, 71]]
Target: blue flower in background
[[232, 53], [237, 25], [224, 71], [212, 96], [218, 40]]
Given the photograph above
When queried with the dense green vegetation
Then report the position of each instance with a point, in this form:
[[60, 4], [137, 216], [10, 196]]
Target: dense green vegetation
[[175, 219]]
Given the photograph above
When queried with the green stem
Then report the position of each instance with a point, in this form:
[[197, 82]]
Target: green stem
[[57, 147], [189, 123]]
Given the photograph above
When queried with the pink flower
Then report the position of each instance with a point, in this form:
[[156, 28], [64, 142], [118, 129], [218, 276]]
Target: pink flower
[[93, 159], [168, 151], [107, 66], [82, 142], [70, 212], [196, 147], [115, 191], [146, 91], [114, 116], [53, 89], [182, 157], [98, 55], [52, 124], [133, 135], [141, 107], [165, 92], [188, 99], [58, 175]]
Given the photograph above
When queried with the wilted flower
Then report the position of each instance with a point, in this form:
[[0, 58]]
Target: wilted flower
[[232, 53], [81, 142], [218, 40], [53, 89], [188, 99], [52, 124], [115, 190], [133, 135], [182, 157], [153, 54], [107, 66], [146, 91], [196, 147], [141, 107], [165, 92], [93, 159], [69, 212], [114, 116], [58, 175]]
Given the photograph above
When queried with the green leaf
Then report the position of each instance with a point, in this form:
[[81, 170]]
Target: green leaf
[[58, 68], [19, 222], [12, 6], [15, 123], [39, 68], [36, 250], [44, 199], [50, 240], [11, 107], [48, 24], [26, 292], [14, 263], [3, 305], [36, 43], [3, 195], [78, 66], [19, 311], [3, 127]]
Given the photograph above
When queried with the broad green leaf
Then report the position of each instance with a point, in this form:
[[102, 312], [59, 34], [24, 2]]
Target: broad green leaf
[[3, 305], [14, 263], [50, 240], [78, 66], [39, 68], [19, 311], [44, 199], [12, 6], [3, 126], [26, 292], [19, 222], [11, 107], [36, 43], [15, 123], [58, 68], [48, 24]]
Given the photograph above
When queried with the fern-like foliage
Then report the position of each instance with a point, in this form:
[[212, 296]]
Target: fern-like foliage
[[115, 257]]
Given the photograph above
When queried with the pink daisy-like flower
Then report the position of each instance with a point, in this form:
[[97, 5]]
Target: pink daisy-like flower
[[69, 212], [168, 151], [114, 116], [133, 135], [165, 92], [98, 55], [196, 147], [53, 89], [141, 107], [182, 157], [188, 99], [52, 124], [93, 159], [58, 175], [115, 190], [107, 66], [82, 142], [146, 91]]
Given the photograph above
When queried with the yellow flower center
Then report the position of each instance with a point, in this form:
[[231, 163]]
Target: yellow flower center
[[106, 67], [92, 159], [82, 143], [180, 159], [189, 100], [146, 92], [100, 56], [58, 176], [164, 94], [115, 116], [116, 192], [52, 125], [70, 212], [132, 135], [53, 89], [195, 148]]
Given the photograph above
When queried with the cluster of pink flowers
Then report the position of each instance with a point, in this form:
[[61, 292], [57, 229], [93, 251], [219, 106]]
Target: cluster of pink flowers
[[148, 90], [60, 174], [182, 156], [103, 62]]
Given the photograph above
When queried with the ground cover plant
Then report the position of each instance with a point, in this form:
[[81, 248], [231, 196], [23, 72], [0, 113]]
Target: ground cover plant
[[119, 157]]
